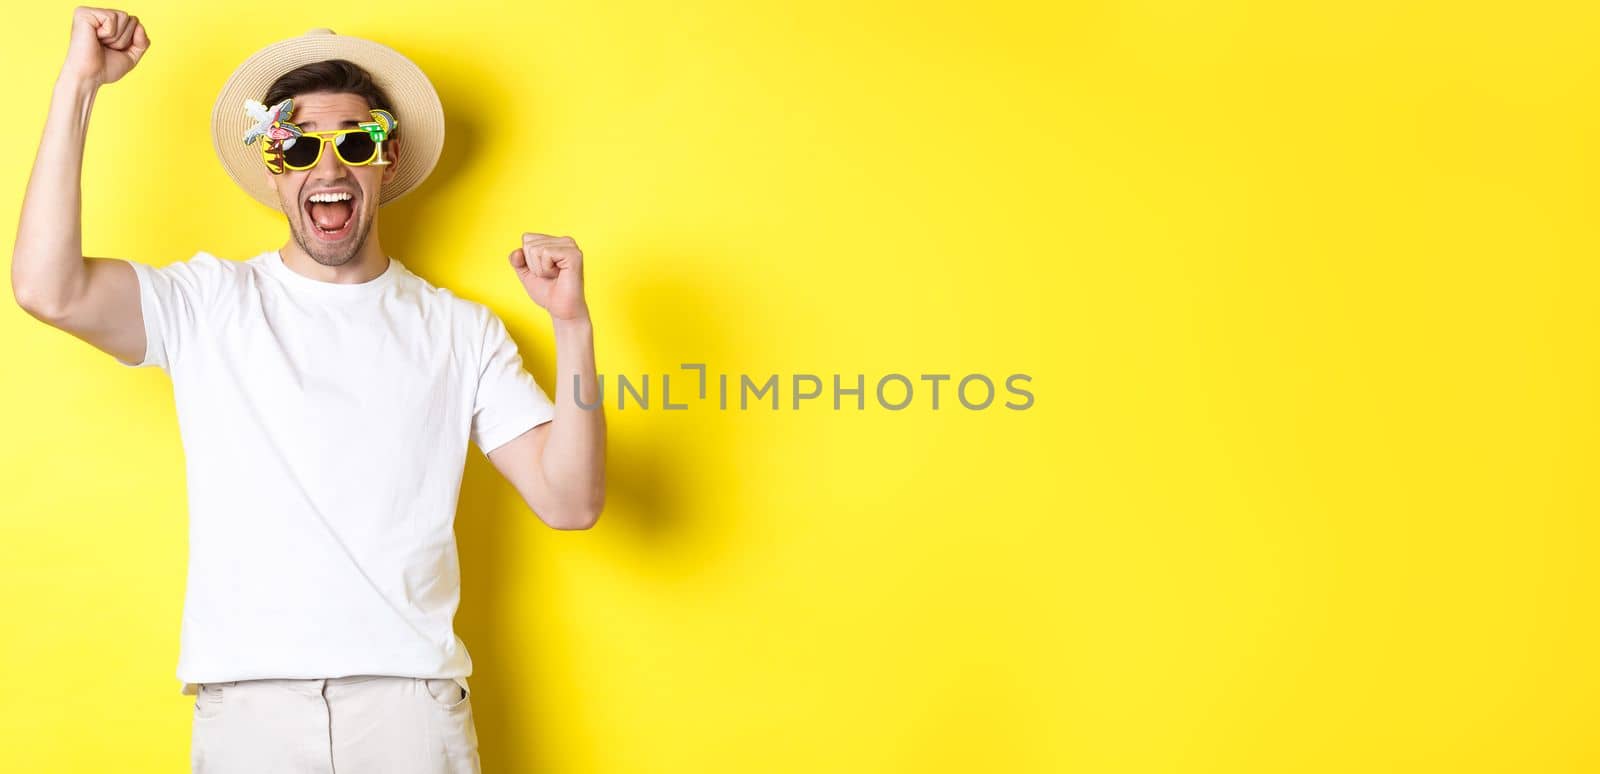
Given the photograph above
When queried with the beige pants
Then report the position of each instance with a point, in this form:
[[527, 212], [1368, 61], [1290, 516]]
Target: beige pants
[[345, 725]]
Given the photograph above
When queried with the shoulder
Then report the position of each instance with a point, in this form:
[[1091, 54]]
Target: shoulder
[[222, 273], [470, 319], [202, 262], [206, 265], [206, 261], [434, 295], [202, 274]]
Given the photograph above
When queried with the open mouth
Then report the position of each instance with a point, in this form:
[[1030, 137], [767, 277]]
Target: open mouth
[[331, 215]]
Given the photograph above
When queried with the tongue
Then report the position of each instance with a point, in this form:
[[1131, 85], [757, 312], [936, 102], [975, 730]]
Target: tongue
[[330, 216]]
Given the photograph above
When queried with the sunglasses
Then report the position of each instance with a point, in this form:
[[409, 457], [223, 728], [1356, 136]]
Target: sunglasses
[[285, 146], [353, 147]]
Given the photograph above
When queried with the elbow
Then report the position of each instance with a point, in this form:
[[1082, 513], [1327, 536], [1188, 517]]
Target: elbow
[[47, 298], [579, 517], [38, 305], [577, 520], [26, 298], [45, 303]]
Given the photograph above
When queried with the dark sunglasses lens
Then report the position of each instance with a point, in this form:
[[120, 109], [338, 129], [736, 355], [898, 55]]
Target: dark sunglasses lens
[[356, 147], [300, 151]]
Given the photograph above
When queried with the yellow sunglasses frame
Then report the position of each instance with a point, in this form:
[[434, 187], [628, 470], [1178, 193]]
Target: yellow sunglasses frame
[[274, 157]]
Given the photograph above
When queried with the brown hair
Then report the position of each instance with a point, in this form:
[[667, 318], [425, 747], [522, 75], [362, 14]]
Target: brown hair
[[337, 76]]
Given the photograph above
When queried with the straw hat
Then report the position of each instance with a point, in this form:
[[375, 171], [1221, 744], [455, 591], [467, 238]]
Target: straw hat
[[416, 107]]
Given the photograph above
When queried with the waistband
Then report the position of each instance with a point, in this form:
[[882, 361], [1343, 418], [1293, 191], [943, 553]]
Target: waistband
[[315, 684]]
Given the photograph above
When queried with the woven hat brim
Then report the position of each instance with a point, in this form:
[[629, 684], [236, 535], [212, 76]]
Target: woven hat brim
[[416, 107]]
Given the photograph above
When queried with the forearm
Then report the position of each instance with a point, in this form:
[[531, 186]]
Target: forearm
[[573, 462], [47, 261]]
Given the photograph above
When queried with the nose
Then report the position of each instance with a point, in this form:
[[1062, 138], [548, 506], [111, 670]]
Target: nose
[[330, 158]]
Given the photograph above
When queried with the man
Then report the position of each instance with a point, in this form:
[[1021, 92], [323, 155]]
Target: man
[[325, 396]]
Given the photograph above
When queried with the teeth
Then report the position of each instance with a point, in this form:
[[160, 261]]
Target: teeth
[[330, 197]]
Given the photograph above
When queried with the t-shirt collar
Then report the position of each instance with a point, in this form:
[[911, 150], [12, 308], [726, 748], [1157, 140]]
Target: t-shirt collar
[[334, 290]]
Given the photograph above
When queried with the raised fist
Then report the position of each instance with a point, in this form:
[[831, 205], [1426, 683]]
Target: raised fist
[[106, 44]]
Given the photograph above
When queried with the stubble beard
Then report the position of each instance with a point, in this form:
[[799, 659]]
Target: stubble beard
[[326, 254]]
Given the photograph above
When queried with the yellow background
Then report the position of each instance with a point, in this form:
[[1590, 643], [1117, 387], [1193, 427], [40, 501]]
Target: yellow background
[[1307, 293]]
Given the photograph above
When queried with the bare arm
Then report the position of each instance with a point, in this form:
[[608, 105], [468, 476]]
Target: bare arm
[[559, 467], [95, 299]]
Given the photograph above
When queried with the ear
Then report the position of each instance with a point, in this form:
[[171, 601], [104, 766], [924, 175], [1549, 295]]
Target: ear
[[391, 154]]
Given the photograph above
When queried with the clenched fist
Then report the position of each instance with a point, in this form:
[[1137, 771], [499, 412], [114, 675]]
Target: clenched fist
[[551, 270], [106, 44]]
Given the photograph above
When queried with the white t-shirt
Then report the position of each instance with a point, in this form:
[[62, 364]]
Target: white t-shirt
[[325, 431]]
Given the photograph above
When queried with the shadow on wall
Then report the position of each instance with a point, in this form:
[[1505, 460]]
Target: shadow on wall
[[648, 508]]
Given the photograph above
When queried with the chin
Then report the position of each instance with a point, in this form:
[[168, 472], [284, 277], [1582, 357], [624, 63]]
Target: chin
[[337, 253]]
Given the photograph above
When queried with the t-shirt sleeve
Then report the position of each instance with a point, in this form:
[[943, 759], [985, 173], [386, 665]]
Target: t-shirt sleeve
[[509, 402], [175, 303]]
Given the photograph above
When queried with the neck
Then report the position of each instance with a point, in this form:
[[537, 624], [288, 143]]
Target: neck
[[367, 264]]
